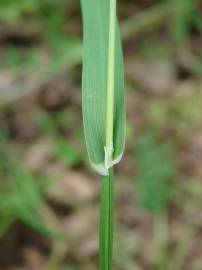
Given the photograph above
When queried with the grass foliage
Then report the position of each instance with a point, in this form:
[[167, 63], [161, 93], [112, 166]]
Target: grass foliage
[[103, 107], [156, 170], [103, 86], [21, 198]]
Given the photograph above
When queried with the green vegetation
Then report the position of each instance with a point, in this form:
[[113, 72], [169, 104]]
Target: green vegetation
[[103, 108], [155, 172], [21, 197], [49, 195]]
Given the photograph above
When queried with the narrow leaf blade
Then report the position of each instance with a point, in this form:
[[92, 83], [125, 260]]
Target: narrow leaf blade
[[94, 83]]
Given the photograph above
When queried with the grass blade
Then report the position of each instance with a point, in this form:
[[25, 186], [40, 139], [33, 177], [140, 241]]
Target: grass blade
[[103, 85]]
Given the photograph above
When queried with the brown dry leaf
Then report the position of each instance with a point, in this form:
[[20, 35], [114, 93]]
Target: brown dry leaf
[[22, 118], [34, 260], [194, 155], [27, 33], [38, 155], [89, 247], [83, 227], [155, 77], [82, 223], [16, 268], [56, 94], [14, 86], [6, 80], [72, 187], [8, 89]]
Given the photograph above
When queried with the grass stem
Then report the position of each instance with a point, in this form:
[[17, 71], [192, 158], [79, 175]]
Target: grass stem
[[106, 221]]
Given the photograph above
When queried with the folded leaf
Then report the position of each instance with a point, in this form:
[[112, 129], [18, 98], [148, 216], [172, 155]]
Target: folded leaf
[[103, 107]]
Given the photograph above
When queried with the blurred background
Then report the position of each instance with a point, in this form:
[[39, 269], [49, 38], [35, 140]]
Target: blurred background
[[49, 196]]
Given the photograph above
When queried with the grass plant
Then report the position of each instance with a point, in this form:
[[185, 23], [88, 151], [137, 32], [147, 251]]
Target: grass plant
[[103, 107]]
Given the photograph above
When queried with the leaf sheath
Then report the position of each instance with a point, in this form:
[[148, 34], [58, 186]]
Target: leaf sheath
[[102, 84], [106, 222]]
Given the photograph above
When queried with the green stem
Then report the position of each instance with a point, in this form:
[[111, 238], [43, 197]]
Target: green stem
[[106, 222]]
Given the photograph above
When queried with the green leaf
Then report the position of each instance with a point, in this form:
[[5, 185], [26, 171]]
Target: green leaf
[[103, 85], [156, 169], [21, 198]]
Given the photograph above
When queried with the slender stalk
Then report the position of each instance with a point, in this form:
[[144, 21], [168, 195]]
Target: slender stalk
[[106, 222], [110, 76], [107, 191]]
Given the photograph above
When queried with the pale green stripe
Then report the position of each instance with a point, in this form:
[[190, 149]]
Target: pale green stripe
[[111, 77]]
